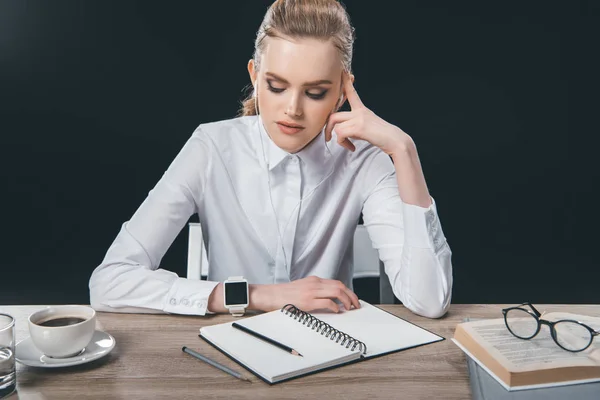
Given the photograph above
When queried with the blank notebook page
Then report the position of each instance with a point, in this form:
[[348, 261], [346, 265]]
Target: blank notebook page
[[273, 363], [381, 331]]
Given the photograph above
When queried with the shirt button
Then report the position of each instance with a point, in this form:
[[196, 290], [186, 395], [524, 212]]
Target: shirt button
[[173, 301], [294, 159]]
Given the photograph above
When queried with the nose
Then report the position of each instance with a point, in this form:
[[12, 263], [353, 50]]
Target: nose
[[294, 107]]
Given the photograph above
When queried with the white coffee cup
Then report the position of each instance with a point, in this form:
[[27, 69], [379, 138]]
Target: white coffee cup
[[56, 336]]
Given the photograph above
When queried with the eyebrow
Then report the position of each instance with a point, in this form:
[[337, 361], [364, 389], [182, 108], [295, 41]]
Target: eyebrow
[[312, 83]]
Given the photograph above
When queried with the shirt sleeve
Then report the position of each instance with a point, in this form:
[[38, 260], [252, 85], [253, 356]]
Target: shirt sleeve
[[410, 242], [128, 279]]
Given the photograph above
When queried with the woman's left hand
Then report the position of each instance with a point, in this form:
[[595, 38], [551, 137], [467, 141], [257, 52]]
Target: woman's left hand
[[362, 123]]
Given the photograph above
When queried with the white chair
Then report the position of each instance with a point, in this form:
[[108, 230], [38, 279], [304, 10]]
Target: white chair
[[366, 260], [197, 262], [368, 265]]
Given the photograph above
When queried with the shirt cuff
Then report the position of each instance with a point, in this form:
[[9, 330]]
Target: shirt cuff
[[422, 226], [189, 296]]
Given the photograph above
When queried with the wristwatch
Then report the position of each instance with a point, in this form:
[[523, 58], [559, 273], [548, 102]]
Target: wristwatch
[[235, 293]]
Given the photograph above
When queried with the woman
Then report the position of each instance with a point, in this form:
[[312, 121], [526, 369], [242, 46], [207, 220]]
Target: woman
[[280, 189]]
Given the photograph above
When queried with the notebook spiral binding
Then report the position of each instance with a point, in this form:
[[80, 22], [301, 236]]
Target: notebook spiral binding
[[323, 328]]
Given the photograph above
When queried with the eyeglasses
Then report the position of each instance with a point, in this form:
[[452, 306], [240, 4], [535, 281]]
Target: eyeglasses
[[569, 334]]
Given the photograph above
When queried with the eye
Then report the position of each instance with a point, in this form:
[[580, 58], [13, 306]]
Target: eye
[[316, 96], [274, 89]]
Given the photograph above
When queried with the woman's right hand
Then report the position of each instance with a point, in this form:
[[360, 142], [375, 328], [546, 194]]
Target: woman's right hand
[[308, 294]]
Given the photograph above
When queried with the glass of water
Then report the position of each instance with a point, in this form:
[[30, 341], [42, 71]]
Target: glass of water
[[8, 373]]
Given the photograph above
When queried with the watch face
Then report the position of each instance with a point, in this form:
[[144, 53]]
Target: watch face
[[236, 293]]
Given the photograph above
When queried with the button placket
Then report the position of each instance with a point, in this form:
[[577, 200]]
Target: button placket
[[294, 197], [280, 271], [286, 210]]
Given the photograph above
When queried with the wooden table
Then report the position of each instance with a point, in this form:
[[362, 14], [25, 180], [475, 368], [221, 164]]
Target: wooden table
[[147, 362]]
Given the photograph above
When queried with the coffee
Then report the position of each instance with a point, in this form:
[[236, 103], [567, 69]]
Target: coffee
[[61, 321], [63, 330]]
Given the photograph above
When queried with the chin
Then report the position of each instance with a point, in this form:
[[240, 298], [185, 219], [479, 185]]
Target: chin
[[291, 143]]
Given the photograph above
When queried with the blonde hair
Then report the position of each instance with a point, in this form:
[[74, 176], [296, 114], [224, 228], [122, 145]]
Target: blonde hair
[[318, 19]]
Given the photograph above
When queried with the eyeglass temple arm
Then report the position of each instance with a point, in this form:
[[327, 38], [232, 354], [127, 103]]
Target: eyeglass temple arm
[[537, 313], [522, 304], [533, 308]]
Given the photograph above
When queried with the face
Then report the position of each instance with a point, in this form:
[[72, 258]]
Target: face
[[299, 86]]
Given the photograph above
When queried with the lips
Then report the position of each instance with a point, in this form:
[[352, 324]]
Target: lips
[[290, 124], [289, 128]]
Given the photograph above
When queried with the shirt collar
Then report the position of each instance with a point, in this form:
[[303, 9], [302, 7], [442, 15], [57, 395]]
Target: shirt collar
[[315, 155], [275, 154]]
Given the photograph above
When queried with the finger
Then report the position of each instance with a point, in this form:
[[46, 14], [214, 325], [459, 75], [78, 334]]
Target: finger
[[353, 297], [335, 292], [347, 144], [334, 119], [324, 304], [351, 94], [343, 133]]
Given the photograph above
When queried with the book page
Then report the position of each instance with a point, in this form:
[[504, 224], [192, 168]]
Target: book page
[[273, 363], [541, 352], [381, 331]]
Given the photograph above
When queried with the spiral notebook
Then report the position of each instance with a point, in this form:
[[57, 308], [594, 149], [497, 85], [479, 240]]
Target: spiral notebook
[[325, 339]]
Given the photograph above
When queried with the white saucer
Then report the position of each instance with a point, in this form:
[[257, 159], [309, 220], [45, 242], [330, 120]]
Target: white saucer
[[100, 345]]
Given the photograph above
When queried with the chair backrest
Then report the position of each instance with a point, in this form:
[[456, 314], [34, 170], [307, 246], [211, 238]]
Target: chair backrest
[[197, 262], [366, 260], [368, 265]]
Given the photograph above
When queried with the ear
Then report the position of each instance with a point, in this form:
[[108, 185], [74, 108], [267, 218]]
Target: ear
[[339, 103], [343, 98], [252, 72]]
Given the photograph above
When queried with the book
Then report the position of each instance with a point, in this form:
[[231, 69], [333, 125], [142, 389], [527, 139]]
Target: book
[[325, 339], [519, 364], [485, 387]]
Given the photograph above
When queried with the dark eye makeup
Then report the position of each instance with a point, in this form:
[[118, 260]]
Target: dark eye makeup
[[314, 96]]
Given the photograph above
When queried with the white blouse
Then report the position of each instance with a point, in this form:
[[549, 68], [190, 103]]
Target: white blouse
[[272, 217]]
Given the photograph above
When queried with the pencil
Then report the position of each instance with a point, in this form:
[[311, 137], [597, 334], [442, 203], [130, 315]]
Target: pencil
[[214, 363], [266, 339]]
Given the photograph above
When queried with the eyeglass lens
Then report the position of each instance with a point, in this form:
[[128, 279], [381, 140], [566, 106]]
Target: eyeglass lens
[[521, 323], [570, 335]]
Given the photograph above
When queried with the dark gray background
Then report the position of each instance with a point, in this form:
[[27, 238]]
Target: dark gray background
[[97, 98]]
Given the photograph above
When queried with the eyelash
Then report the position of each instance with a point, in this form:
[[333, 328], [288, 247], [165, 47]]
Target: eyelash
[[319, 96]]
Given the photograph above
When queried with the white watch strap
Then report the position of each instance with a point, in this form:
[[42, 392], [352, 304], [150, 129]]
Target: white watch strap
[[237, 311]]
